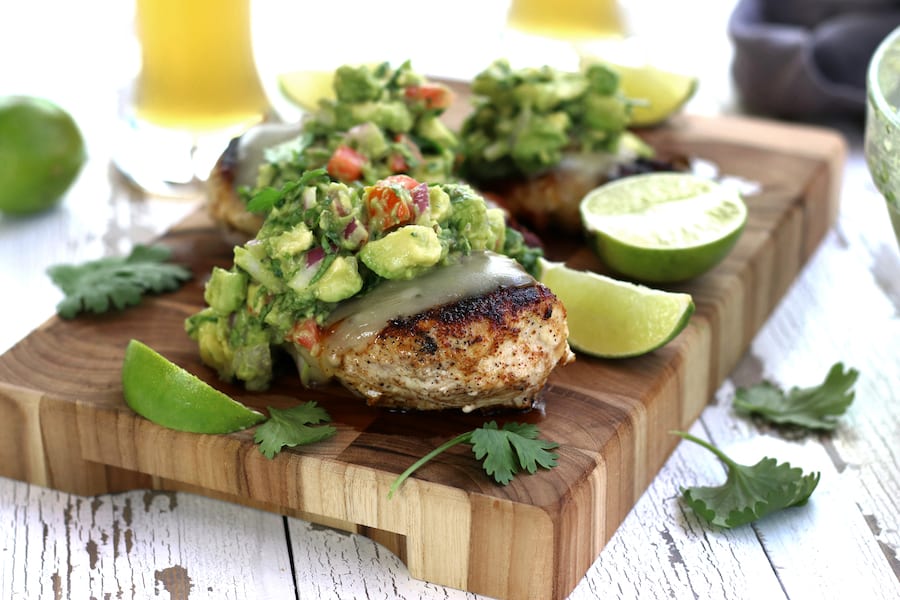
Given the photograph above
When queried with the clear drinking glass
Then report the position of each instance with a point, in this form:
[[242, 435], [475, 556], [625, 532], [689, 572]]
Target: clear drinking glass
[[882, 133], [198, 86]]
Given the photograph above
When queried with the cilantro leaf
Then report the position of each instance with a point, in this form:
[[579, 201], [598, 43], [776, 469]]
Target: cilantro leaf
[[749, 492], [503, 451], [515, 446], [295, 426], [815, 407], [266, 198], [116, 281]]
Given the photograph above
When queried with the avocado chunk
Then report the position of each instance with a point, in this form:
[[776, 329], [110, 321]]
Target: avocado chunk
[[541, 141], [249, 259], [211, 333], [290, 243], [403, 253], [225, 291], [356, 84], [340, 280], [253, 364], [431, 128], [236, 346], [470, 214], [547, 95], [369, 139], [439, 204], [606, 114], [391, 115]]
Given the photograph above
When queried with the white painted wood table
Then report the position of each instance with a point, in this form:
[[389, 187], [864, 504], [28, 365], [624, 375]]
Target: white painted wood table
[[845, 306]]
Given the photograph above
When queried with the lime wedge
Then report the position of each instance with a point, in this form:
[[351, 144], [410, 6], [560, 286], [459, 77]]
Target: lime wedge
[[660, 92], [663, 227], [665, 92], [306, 88], [610, 318], [163, 392]]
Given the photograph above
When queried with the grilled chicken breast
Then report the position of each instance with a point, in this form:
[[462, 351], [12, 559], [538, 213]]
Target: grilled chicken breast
[[478, 334]]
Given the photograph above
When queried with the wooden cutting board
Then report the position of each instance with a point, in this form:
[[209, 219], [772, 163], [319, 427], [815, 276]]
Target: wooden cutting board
[[65, 426]]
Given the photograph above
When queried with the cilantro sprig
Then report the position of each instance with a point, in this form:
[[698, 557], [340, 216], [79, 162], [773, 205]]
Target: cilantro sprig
[[816, 407], [504, 451], [749, 492], [295, 426], [265, 199], [116, 281]]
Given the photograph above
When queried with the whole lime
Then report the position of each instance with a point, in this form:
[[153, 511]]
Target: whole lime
[[41, 152]]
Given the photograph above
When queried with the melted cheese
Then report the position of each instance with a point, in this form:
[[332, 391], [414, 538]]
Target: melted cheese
[[356, 322]]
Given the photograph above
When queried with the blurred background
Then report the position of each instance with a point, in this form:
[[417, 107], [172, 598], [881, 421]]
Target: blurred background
[[84, 54], [80, 53]]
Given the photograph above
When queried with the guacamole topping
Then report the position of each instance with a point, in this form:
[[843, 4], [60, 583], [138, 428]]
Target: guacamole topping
[[383, 121], [524, 120], [324, 242]]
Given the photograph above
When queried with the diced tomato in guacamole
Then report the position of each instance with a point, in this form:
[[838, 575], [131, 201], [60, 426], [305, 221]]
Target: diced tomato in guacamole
[[346, 164], [388, 206], [434, 95]]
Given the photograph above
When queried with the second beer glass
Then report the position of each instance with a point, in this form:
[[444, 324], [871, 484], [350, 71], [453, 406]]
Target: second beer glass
[[198, 86]]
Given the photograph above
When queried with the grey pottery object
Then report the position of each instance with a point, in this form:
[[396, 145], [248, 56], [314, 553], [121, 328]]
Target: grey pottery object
[[805, 59]]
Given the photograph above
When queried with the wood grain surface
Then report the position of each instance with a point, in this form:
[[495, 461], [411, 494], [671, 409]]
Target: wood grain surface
[[68, 428]]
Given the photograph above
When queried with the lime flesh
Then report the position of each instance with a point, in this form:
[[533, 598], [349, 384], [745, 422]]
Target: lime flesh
[[161, 391], [610, 318], [663, 227], [658, 93], [663, 92], [307, 88]]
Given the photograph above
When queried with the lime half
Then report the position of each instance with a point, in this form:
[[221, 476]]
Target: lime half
[[663, 227], [163, 392], [610, 318]]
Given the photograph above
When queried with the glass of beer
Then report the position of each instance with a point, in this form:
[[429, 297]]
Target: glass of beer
[[567, 19], [552, 31], [198, 86]]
